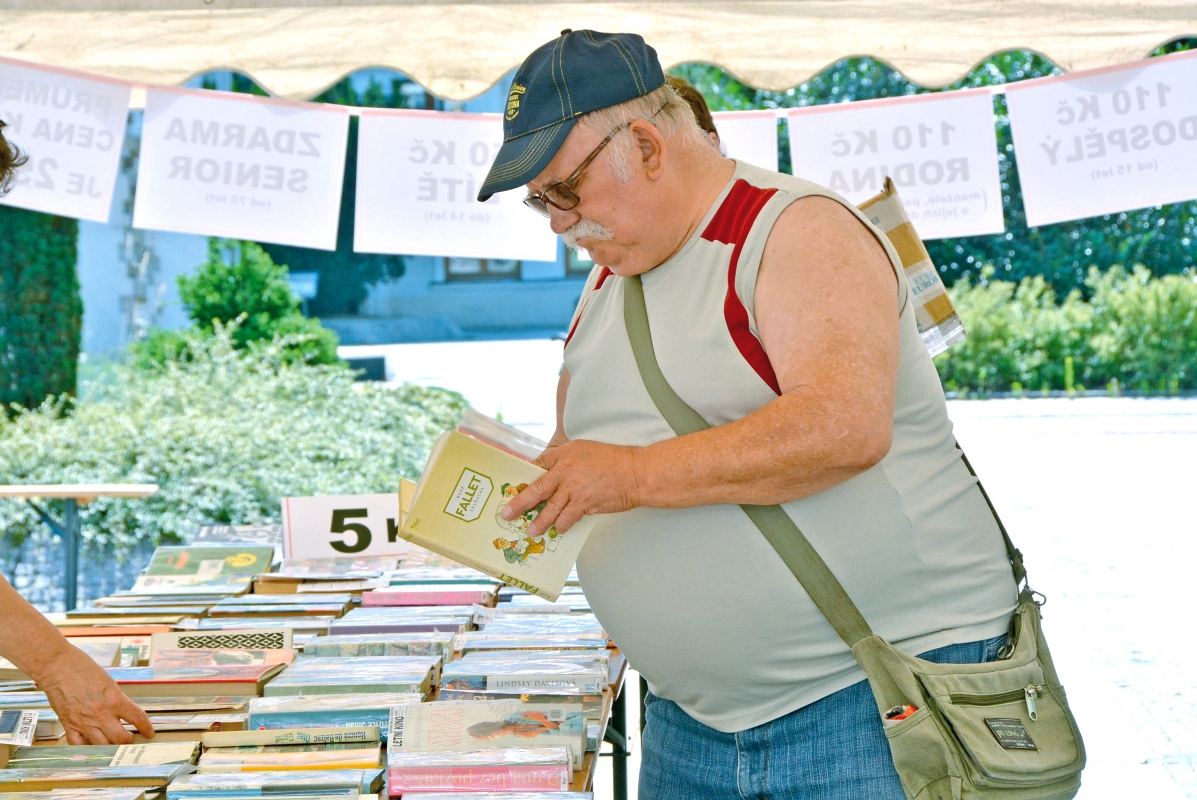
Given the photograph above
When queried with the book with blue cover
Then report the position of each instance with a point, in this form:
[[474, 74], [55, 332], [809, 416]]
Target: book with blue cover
[[324, 711]]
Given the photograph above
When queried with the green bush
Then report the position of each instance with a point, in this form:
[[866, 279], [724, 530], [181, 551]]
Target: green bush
[[1145, 329], [226, 433], [41, 313], [1136, 331], [241, 287]]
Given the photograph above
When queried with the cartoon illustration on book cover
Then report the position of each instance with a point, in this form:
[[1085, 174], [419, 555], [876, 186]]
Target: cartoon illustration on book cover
[[521, 547], [526, 724]]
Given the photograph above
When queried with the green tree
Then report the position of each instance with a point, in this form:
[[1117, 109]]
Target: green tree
[[41, 312], [242, 289]]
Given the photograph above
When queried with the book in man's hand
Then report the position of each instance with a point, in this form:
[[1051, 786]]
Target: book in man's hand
[[455, 513]]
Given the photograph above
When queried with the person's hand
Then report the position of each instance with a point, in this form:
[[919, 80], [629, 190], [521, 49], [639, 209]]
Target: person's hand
[[583, 478], [89, 703]]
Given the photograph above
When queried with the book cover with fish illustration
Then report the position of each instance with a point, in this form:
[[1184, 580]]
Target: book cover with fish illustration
[[465, 485], [461, 725]]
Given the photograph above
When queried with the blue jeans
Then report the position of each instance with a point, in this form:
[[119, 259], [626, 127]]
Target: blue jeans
[[833, 749]]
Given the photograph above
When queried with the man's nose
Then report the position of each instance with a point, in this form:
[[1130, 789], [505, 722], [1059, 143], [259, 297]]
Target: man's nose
[[561, 221]]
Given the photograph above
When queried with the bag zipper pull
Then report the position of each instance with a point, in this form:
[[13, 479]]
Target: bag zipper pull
[[1031, 692]]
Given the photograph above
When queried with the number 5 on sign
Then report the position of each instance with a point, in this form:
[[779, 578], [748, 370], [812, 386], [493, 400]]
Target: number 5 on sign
[[356, 524]]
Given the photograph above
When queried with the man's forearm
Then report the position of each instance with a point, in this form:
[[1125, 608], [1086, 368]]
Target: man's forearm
[[794, 447], [27, 639]]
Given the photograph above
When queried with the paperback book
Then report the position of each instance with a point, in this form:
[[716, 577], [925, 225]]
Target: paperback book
[[293, 736], [432, 594], [513, 769], [469, 725], [271, 757], [44, 780], [213, 657], [465, 485], [215, 569], [86, 756], [525, 675], [327, 711], [18, 726], [402, 674], [194, 681], [271, 784], [382, 644]]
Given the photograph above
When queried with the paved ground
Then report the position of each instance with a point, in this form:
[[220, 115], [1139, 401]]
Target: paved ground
[[1096, 492]]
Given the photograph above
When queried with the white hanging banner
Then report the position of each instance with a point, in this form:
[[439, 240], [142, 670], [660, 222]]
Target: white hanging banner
[[940, 149], [749, 136], [72, 127], [245, 167], [1106, 140], [418, 174]]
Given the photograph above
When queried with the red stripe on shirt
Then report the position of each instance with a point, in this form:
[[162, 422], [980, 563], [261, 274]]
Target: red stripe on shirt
[[602, 278], [731, 225]]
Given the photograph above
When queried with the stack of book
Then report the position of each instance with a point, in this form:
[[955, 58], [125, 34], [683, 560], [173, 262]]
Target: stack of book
[[353, 574], [390, 674], [415, 619]]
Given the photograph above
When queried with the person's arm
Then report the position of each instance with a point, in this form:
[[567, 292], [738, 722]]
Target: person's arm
[[86, 700], [827, 314]]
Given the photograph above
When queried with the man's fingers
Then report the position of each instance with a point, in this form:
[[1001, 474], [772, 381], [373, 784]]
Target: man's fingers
[[134, 714], [538, 490], [75, 737], [569, 517], [548, 515], [115, 732]]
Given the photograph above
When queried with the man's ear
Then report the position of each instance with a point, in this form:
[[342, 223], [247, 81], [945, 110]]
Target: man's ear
[[651, 146]]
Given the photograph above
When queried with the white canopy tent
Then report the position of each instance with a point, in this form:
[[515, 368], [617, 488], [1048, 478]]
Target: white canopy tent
[[457, 50]]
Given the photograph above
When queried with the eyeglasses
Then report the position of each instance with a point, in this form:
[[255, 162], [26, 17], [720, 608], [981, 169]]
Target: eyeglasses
[[561, 194]]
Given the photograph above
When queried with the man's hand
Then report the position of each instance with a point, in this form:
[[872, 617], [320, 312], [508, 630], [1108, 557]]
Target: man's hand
[[583, 478], [89, 703]]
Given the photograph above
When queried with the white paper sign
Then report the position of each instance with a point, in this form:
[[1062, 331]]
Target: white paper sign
[[224, 164], [418, 175], [344, 525], [1106, 140], [940, 149], [749, 136], [72, 127]]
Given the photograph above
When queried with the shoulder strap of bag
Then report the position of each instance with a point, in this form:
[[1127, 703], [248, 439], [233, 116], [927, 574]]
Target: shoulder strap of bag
[[774, 523]]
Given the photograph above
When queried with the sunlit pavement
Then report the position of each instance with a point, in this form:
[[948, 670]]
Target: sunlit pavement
[[1097, 492]]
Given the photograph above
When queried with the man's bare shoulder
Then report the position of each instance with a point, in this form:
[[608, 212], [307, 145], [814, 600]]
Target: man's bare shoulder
[[822, 230]]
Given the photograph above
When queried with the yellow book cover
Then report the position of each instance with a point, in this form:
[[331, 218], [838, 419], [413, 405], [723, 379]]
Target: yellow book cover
[[455, 512]]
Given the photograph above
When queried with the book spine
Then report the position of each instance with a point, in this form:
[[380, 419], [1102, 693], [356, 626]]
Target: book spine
[[515, 778], [313, 736]]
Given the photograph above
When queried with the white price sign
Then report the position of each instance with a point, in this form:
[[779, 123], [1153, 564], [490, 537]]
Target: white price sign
[[749, 136], [1106, 140], [224, 164], [418, 175], [344, 525], [940, 150], [71, 126]]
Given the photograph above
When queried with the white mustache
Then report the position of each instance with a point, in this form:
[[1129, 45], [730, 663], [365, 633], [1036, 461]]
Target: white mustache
[[585, 229]]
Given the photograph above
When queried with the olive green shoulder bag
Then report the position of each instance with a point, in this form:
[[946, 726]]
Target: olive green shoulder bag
[[995, 731]]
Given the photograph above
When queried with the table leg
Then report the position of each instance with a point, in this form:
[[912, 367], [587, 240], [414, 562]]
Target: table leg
[[617, 735], [70, 550]]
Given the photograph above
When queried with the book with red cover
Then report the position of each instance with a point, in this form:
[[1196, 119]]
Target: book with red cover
[[242, 680]]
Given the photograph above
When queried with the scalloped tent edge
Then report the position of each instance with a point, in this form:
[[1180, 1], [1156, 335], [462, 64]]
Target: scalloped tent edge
[[458, 50]]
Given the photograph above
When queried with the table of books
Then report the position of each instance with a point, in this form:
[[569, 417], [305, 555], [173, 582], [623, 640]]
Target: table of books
[[369, 677]]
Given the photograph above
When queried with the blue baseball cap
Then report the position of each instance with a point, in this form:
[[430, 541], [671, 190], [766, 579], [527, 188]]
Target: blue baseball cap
[[576, 73]]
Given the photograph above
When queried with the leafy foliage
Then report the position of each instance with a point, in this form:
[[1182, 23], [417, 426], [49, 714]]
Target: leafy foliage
[[226, 433], [1136, 332], [241, 284], [1163, 238], [41, 312]]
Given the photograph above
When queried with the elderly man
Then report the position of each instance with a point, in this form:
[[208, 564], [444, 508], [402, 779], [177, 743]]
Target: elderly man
[[87, 701], [782, 316]]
